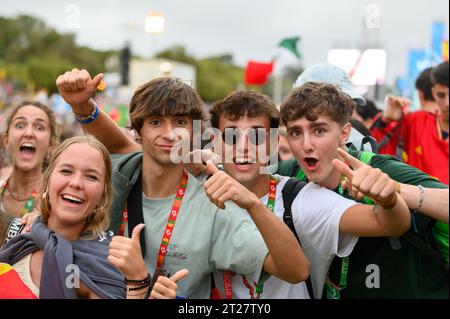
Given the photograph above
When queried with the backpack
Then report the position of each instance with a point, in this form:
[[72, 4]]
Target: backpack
[[134, 204], [414, 240], [358, 138], [290, 191]]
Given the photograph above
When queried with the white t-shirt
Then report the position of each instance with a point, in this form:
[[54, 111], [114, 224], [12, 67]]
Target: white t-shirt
[[316, 212]]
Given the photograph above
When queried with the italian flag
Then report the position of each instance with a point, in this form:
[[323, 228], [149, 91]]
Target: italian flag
[[287, 54], [11, 286]]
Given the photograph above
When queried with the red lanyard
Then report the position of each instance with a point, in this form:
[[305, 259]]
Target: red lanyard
[[227, 273], [171, 221], [124, 222]]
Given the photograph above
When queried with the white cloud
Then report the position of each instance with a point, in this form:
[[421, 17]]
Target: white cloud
[[248, 29]]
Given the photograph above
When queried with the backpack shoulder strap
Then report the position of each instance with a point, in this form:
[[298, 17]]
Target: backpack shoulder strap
[[135, 212], [372, 142], [426, 250], [290, 191]]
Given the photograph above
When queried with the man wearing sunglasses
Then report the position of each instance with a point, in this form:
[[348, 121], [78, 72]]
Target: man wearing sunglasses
[[183, 229], [326, 224]]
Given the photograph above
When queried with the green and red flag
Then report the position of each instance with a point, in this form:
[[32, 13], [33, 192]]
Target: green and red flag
[[286, 55]]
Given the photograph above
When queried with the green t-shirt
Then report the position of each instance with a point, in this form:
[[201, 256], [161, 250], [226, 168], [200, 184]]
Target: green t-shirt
[[205, 238], [404, 272]]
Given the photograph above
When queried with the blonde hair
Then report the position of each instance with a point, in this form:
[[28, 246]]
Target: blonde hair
[[98, 221]]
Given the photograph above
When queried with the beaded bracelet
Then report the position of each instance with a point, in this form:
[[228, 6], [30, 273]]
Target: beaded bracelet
[[158, 273], [134, 288], [139, 283], [86, 119]]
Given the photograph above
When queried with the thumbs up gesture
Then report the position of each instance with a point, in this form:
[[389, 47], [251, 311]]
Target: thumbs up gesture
[[77, 87], [221, 187], [363, 180], [125, 254], [165, 287]]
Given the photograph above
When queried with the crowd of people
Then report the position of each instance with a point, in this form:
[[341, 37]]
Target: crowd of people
[[107, 214]]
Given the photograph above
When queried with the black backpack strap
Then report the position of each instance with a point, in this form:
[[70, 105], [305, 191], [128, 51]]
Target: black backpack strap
[[372, 142], [290, 191], [426, 250], [135, 213]]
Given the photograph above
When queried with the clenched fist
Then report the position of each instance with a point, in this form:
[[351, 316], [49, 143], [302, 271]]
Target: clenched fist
[[77, 87]]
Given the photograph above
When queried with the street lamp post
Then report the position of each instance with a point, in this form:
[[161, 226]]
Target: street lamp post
[[154, 24]]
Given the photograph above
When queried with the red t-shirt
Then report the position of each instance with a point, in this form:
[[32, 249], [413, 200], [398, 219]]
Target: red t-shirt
[[424, 146]]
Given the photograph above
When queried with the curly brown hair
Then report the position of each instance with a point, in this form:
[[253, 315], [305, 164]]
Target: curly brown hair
[[245, 103], [313, 99]]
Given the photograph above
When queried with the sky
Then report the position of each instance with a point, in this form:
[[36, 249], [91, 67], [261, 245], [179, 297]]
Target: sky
[[247, 29]]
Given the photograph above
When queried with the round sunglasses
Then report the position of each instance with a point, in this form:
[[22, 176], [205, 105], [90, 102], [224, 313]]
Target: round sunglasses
[[256, 136]]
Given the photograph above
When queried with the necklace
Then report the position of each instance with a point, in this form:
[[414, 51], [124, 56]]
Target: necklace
[[29, 204], [10, 193]]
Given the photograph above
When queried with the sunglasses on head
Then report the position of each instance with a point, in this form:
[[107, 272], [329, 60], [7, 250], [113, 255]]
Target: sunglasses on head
[[256, 136]]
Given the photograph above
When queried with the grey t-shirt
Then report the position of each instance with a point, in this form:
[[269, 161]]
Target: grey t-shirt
[[205, 238]]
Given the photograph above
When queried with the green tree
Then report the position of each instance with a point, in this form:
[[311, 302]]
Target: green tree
[[33, 53], [216, 76]]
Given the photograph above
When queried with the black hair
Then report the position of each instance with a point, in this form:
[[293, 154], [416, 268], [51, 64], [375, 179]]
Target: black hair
[[439, 74], [423, 84], [368, 111]]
